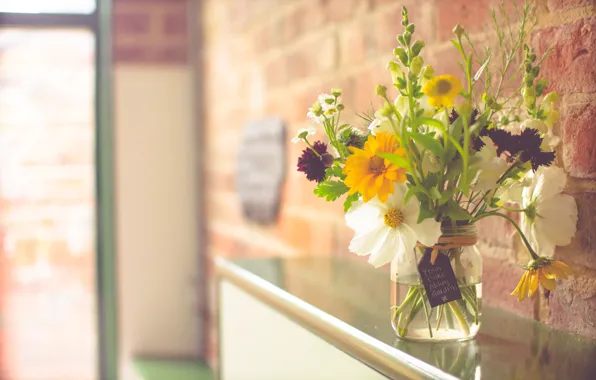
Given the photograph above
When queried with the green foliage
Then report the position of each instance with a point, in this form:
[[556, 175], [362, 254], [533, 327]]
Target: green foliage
[[454, 211], [428, 141], [350, 200], [396, 159], [330, 190]]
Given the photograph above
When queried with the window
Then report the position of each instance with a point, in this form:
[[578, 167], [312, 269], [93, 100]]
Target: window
[[57, 318]]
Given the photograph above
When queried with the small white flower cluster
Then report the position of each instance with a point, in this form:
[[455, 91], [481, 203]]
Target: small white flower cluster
[[326, 106]]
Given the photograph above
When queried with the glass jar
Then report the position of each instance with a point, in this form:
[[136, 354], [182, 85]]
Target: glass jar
[[412, 316]]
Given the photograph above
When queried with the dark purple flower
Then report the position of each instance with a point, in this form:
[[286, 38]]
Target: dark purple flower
[[526, 145], [312, 165]]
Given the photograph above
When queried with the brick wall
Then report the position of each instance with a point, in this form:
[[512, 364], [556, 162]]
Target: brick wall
[[265, 57], [151, 31]]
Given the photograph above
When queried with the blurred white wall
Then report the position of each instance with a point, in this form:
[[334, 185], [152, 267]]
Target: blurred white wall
[[157, 208]]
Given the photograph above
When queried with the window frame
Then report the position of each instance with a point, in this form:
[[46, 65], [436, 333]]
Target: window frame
[[99, 22]]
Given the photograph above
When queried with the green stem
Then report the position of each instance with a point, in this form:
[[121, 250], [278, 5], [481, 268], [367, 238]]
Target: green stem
[[423, 296], [413, 311], [449, 317], [514, 224], [460, 317], [440, 316], [471, 299], [311, 147], [411, 292]]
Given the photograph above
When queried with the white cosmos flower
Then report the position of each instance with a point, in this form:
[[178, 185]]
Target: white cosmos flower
[[303, 132], [386, 230], [491, 166], [381, 124], [536, 124], [550, 218]]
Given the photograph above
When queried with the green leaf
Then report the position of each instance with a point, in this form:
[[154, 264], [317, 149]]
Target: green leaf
[[482, 68], [425, 212], [335, 171], [453, 169], [343, 126], [430, 180], [396, 159], [435, 193], [411, 191], [349, 200], [429, 142], [445, 196], [456, 212], [330, 190]]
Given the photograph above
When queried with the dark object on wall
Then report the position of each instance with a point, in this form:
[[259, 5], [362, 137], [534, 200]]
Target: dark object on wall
[[261, 169]]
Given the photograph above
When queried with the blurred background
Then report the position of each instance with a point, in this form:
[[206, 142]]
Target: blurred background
[[121, 124]]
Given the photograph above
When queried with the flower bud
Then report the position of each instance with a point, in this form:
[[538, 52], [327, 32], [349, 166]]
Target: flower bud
[[535, 71], [336, 92], [551, 97], [400, 83], [458, 30], [386, 110], [407, 37], [411, 28], [416, 65], [428, 72], [400, 39], [327, 160], [552, 117], [381, 91], [317, 109], [401, 54], [340, 107], [417, 46], [529, 94], [394, 67]]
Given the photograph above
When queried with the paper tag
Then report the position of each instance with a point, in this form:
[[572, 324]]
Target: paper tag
[[438, 279]]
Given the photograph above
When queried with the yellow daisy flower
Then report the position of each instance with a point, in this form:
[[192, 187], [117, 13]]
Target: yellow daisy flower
[[371, 175], [543, 271], [442, 90]]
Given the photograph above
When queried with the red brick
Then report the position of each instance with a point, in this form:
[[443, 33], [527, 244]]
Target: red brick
[[496, 231], [582, 250], [340, 10], [499, 278], [175, 24], [313, 16], [573, 304], [472, 15], [559, 5], [356, 43], [292, 25], [571, 65], [365, 83], [276, 71], [134, 23], [579, 140]]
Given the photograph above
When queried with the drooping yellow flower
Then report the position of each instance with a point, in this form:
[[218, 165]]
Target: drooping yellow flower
[[442, 90], [371, 175], [543, 271]]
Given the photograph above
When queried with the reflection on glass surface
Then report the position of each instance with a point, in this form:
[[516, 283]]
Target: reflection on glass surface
[[507, 346], [47, 256], [47, 6], [461, 359]]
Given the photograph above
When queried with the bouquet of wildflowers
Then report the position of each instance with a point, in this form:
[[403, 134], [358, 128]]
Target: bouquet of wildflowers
[[447, 150]]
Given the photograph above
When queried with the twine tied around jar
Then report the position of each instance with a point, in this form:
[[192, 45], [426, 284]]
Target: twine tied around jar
[[449, 242]]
